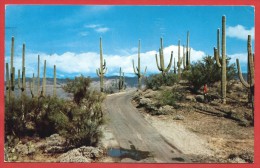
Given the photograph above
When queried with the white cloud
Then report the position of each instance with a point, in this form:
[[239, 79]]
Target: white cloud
[[87, 63], [98, 28], [92, 26], [102, 29], [240, 32]]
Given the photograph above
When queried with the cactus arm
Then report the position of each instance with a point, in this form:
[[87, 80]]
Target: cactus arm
[[98, 72], [216, 56], [134, 67], [104, 65], [241, 76], [170, 63], [105, 71], [158, 66]]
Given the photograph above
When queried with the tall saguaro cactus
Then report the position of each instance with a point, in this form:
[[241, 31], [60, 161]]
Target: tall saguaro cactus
[[222, 65], [38, 77], [121, 80], [32, 83], [23, 88], [188, 51], [179, 59], [184, 58], [161, 55], [138, 69], [102, 70], [251, 71], [54, 81], [8, 85], [174, 66], [44, 80]]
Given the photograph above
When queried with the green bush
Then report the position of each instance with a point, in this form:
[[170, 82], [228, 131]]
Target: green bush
[[156, 81], [170, 97], [78, 120], [207, 72]]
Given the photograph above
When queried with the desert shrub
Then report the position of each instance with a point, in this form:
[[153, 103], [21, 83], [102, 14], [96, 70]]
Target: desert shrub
[[158, 80], [78, 87], [207, 72], [170, 97]]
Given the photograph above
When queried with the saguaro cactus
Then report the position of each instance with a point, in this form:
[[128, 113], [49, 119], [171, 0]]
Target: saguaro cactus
[[184, 56], [23, 88], [251, 72], [161, 66], [222, 65], [54, 81], [44, 80], [18, 79], [102, 70], [38, 77], [188, 51], [121, 80], [138, 69], [179, 59], [8, 85], [32, 83], [174, 66]]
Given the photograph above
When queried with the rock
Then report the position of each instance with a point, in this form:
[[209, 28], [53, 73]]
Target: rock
[[145, 101], [55, 144], [82, 154], [91, 152], [22, 149], [178, 117], [199, 98], [73, 156], [149, 93], [165, 109], [190, 98]]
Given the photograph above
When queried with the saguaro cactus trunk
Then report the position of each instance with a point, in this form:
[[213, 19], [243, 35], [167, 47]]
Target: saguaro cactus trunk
[[38, 77], [102, 70], [54, 82], [188, 51], [179, 59], [161, 55], [223, 64], [138, 69], [8, 85], [121, 80], [44, 80]]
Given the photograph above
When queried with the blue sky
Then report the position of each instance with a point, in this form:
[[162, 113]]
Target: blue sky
[[68, 36]]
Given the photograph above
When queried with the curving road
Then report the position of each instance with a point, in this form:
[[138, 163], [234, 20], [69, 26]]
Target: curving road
[[137, 140]]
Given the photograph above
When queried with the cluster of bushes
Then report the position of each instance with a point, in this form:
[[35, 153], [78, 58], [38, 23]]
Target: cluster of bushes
[[78, 120], [156, 81], [207, 72]]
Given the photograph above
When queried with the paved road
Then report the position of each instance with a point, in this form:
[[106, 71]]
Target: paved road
[[137, 139]]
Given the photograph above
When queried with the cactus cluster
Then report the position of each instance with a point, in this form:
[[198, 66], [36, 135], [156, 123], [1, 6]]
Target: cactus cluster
[[223, 64], [138, 68], [21, 81], [103, 69], [161, 67]]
